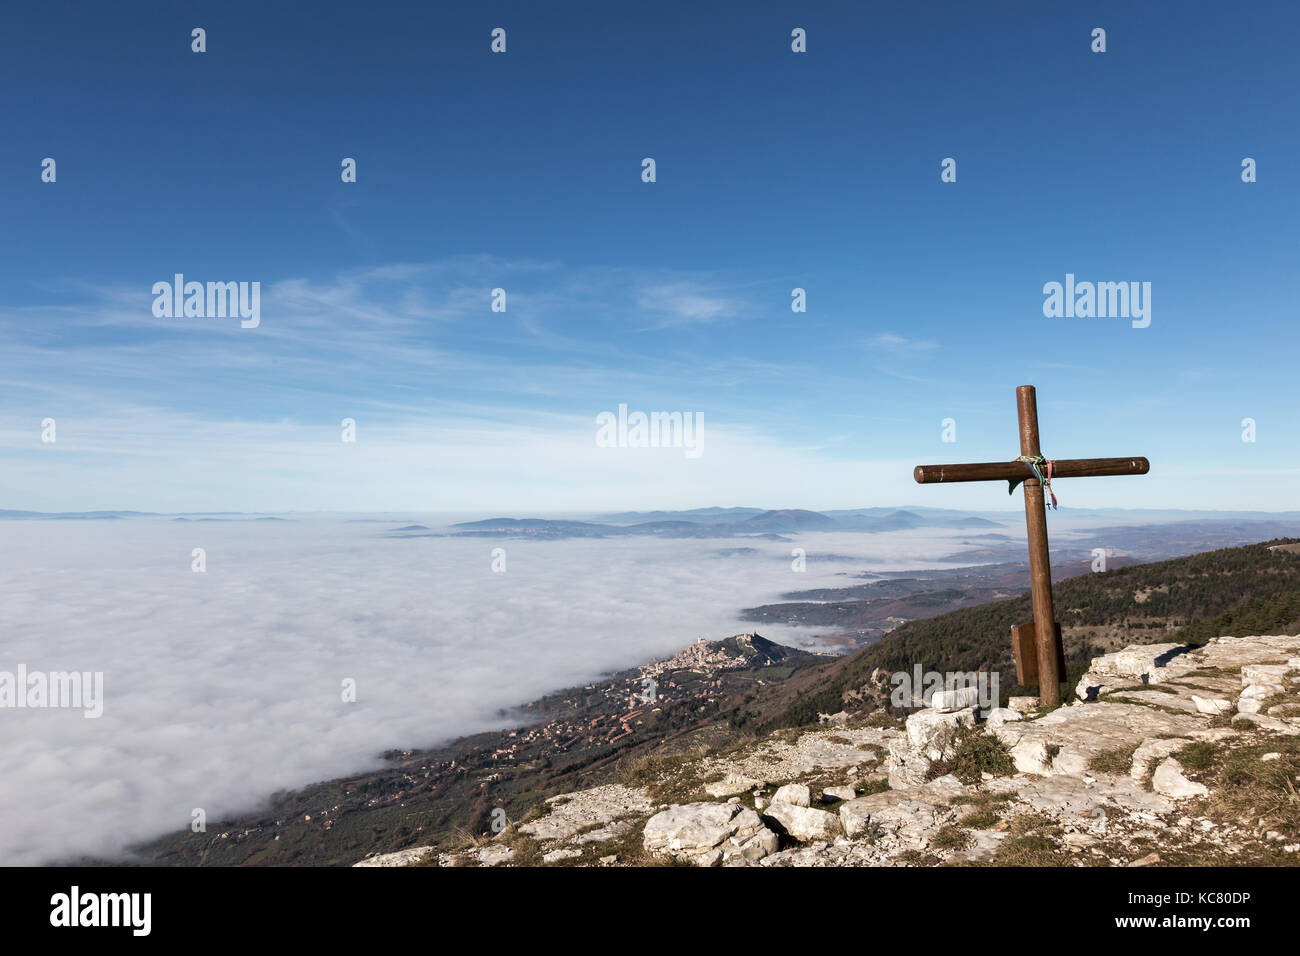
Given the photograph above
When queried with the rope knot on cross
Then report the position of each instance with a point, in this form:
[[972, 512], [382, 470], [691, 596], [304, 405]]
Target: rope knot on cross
[[1040, 656]]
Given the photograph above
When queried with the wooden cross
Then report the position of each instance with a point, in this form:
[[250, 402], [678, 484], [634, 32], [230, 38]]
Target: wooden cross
[[1050, 656]]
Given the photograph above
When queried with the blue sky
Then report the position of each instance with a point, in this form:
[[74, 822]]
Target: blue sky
[[522, 171]]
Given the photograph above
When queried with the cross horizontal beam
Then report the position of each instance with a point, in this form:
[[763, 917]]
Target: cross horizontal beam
[[1017, 471]]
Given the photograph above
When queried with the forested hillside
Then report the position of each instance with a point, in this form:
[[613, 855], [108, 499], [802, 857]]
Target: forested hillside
[[1239, 591]]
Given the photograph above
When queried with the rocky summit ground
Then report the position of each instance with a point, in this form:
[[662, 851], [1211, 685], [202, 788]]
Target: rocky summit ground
[[1170, 755]]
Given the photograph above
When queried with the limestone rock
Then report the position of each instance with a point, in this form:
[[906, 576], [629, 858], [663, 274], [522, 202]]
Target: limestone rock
[[400, 858], [805, 823], [1149, 860], [1262, 691], [761, 844], [838, 793], [707, 833], [1151, 750], [1270, 723], [732, 784], [933, 733], [905, 767], [1169, 780], [902, 819], [584, 809], [1030, 756], [601, 834], [1002, 715], [946, 787], [1023, 705], [1214, 734], [1080, 802], [983, 848], [1066, 739], [947, 701], [492, 855], [563, 853], [856, 814], [794, 794], [751, 840], [1212, 705], [1273, 674], [1135, 664], [691, 831], [840, 749]]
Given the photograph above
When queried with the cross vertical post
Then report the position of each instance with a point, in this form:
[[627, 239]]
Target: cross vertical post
[[1044, 662], [1040, 563]]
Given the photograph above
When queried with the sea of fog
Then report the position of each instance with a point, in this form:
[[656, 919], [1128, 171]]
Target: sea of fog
[[224, 686]]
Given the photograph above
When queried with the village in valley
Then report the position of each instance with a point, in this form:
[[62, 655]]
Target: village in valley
[[686, 685]]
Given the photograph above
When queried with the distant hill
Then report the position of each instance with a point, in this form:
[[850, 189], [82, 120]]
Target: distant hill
[[759, 651], [705, 515], [718, 523], [790, 519], [9, 515]]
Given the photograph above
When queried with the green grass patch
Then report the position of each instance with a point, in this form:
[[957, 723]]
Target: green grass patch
[[950, 838], [976, 753], [979, 820], [1032, 849], [866, 789], [1118, 761]]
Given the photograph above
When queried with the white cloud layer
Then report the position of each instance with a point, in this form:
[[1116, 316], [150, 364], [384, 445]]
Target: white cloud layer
[[223, 687]]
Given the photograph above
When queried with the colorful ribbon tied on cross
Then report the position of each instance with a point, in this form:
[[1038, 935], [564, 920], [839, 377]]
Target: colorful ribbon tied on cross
[[1042, 469]]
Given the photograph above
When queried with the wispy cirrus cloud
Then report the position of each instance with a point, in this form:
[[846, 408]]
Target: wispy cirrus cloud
[[438, 383], [687, 302], [893, 342]]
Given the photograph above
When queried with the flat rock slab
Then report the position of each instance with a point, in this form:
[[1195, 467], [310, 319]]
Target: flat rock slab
[[1231, 652], [1206, 684], [586, 808], [832, 749], [805, 823], [1135, 664], [707, 834], [1067, 738], [563, 853], [983, 848], [1182, 664], [401, 858], [601, 834], [690, 827], [1076, 798], [733, 784], [1159, 698], [908, 817]]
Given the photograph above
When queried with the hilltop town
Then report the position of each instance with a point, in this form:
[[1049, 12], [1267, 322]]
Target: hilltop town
[[576, 734], [606, 712]]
